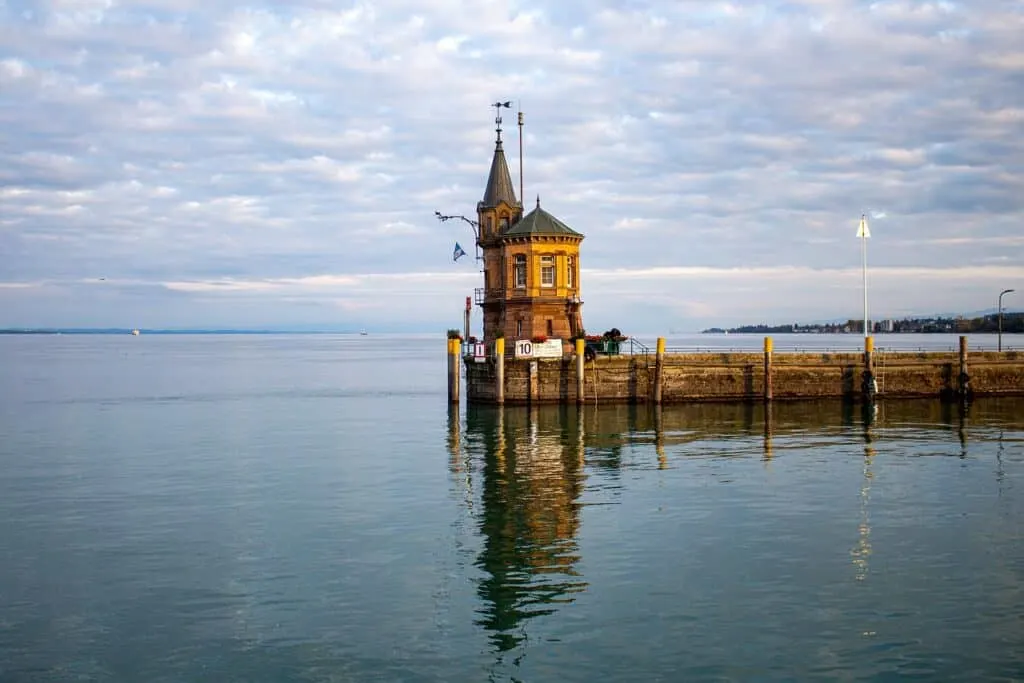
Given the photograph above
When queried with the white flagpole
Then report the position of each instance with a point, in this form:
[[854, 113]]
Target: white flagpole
[[863, 233]]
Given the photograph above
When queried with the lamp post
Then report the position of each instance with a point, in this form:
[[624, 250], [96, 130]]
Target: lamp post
[[1000, 343], [864, 233]]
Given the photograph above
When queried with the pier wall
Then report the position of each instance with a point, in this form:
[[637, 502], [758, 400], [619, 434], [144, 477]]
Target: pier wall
[[710, 377]]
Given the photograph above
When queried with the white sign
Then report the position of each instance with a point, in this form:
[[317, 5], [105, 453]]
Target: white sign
[[552, 348], [479, 352]]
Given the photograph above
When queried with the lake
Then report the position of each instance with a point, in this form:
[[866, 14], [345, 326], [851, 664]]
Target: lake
[[308, 508]]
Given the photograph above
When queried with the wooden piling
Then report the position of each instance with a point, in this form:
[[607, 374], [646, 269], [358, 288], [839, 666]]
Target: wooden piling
[[964, 383], [454, 348], [659, 371], [581, 349], [768, 368], [499, 370]]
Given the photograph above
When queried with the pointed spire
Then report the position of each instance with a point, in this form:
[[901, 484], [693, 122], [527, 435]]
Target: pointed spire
[[538, 201], [499, 182]]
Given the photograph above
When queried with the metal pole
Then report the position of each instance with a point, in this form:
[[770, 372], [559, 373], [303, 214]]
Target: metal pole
[[1000, 343], [522, 197], [864, 253]]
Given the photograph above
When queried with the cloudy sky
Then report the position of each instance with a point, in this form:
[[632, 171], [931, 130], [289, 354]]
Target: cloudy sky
[[187, 163]]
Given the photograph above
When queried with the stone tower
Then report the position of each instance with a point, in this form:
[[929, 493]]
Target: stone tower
[[531, 264]]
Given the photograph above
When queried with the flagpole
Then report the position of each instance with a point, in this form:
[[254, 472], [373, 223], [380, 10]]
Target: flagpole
[[864, 257]]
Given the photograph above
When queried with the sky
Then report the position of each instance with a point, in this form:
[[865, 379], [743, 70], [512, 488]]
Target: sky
[[187, 163]]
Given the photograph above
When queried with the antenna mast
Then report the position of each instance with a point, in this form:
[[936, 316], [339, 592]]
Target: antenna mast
[[522, 197]]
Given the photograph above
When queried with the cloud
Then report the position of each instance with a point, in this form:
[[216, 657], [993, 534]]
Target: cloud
[[213, 160]]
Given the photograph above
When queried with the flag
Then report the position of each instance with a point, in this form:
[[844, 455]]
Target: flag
[[458, 252], [863, 231]]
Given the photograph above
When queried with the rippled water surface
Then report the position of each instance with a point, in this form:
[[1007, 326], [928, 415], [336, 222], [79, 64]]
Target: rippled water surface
[[307, 508]]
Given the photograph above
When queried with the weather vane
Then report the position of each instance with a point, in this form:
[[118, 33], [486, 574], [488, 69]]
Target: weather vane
[[497, 115]]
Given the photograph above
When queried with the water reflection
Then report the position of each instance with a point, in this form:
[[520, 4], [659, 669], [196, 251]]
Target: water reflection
[[862, 550], [531, 480], [523, 471]]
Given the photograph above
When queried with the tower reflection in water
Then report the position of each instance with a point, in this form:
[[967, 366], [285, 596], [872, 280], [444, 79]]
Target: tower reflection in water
[[530, 480]]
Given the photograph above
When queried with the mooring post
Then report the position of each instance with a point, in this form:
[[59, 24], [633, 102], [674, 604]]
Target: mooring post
[[454, 347], [499, 370], [581, 348], [659, 370], [767, 368], [964, 379], [469, 307], [868, 382]]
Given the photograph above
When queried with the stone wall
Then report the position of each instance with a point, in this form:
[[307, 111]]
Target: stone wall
[[707, 377]]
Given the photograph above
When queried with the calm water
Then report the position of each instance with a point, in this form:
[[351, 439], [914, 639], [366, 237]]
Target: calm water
[[305, 508]]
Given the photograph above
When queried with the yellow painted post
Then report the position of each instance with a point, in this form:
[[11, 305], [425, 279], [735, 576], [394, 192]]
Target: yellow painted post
[[868, 382], [965, 379], [454, 347], [768, 389], [659, 370], [581, 348], [499, 371]]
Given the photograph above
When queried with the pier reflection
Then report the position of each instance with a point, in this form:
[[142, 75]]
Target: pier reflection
[[531, 478]]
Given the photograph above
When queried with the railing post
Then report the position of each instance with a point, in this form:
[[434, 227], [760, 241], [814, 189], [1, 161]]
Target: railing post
[[964, 383], [499, 371], [581, 348], [768, 393], [868, 386], [659, 370]]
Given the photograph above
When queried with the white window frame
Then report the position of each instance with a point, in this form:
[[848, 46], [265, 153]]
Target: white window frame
[[547, 271]]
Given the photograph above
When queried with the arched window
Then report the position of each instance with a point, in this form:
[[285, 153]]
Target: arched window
[[519, 271], [504, 223]]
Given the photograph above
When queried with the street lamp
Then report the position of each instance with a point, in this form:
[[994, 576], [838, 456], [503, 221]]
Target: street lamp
[[1005, 291]]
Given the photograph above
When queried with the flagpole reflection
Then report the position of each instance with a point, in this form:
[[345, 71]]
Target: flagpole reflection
[[862, 551]]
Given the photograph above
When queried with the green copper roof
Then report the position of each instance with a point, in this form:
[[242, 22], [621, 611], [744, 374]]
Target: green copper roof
[[540, 222]]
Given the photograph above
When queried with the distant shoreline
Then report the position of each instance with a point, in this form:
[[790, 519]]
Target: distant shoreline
[[127, 331]]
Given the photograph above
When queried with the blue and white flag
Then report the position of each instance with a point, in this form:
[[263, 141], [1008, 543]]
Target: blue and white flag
[[458, 252]]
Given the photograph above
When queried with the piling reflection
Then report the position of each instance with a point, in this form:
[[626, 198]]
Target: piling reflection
[[532, 477]]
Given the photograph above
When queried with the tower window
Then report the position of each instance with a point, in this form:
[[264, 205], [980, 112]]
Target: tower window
[[519, 329], [570, 279], [504, 223], [547, 271], [551, 327], [519, 274]]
